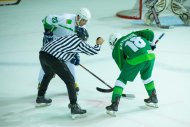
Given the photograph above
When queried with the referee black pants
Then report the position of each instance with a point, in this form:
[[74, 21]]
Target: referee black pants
[[51, 66]]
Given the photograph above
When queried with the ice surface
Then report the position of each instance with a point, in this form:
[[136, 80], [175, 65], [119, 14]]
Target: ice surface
[[21, 38]]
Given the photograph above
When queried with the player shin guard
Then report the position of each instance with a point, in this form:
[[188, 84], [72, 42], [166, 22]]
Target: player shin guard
[[150, 87], [117, 91], [152, 100]]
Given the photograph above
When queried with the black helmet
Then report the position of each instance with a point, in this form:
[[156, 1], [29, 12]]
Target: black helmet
[[82, 33]]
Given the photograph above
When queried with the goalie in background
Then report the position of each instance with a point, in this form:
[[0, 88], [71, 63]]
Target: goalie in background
[[132, 56], [174, 6]]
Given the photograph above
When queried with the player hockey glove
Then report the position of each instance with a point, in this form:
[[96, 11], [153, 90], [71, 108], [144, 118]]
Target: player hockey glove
[[153, 47], [48, 37], [76, 59]]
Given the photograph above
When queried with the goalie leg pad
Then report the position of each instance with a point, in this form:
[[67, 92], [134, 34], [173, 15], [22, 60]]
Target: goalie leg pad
[[159, 6], [177, 7], [185, 18], [148, 18]]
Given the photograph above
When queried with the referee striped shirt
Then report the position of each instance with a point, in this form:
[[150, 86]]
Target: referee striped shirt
[[64, 48]]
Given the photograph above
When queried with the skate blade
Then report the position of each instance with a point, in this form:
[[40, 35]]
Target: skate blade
[[111, 113], [77, 116], [152, 105], [128, 96], [42, 105]]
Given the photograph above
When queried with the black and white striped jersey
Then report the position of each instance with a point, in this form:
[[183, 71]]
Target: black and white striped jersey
[[64, 48]]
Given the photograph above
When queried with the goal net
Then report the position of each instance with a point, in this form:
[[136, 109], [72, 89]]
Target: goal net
[[135, 12], [186, 3], [138, 7]]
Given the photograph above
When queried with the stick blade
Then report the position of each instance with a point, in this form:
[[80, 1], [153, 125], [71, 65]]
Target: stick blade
[[104, 90], [165, 27], [128, 96]]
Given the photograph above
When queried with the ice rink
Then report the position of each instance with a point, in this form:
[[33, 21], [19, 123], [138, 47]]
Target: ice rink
[[21, 34]]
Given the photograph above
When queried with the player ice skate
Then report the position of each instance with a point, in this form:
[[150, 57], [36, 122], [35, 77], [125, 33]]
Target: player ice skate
[[152, 101], [41, 101], [76, 111]]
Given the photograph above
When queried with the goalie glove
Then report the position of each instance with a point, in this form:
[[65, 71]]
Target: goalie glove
[[150, 3]]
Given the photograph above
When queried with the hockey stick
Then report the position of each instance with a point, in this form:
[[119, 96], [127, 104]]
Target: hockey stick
[[96, 76], [157, 19], [111, 89], [159, 38], [106, 90]]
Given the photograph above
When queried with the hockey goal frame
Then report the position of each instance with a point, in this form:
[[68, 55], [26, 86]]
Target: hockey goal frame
[[9, 2], [136, 17]]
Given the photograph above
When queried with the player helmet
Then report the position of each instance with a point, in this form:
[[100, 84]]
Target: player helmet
[[84, 13], [82, 33], [113, 38]]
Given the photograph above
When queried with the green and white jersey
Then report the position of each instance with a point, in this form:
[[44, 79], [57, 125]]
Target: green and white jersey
[[133, 48], [60, 25]]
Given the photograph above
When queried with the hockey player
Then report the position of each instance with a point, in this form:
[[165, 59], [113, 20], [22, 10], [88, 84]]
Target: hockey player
[[56, 26], [53, 57], [131, 54], [174, 6]]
